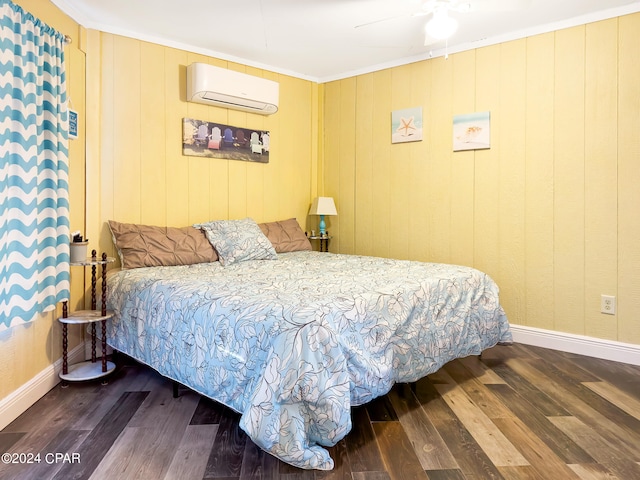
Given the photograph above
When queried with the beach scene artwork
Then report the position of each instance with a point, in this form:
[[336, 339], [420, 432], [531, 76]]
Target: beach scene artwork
[[406, 125], [471, 131], [217, 140]]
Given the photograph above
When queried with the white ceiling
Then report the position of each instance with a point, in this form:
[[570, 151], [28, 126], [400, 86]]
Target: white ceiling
[[323, 40]]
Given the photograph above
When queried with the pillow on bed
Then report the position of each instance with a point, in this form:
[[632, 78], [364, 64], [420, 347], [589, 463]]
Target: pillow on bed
[[149, 246], [238, 240], [286, 235]]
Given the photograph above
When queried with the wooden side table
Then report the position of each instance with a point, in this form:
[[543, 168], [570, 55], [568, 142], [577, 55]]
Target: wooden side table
[[90, 369]]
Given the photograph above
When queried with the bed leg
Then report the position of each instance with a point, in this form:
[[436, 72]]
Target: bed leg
[[175, 389]]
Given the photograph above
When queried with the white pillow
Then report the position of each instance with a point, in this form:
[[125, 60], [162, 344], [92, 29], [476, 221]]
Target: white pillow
[[238, 240]]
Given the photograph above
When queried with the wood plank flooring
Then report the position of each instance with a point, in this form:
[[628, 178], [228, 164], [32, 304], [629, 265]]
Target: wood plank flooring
[[518, 412]]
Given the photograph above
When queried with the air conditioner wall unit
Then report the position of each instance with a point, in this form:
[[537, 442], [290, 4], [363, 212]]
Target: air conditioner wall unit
[[213, 85]]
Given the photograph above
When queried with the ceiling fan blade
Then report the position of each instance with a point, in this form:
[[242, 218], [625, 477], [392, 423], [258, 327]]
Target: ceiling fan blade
[[381, 20], [492, 5], [464, 6]]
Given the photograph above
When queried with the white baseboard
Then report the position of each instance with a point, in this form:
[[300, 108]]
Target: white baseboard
[[18, 401], [566, 342]]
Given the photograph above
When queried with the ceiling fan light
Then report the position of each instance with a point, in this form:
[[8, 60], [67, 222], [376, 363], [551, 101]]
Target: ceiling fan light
[[441, 25]]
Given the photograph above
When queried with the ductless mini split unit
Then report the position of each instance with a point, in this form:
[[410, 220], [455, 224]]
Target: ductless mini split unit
[[226, 88]]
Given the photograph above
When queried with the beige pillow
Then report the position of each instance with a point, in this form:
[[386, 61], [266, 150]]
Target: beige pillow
[[150, 246], [286, 235]]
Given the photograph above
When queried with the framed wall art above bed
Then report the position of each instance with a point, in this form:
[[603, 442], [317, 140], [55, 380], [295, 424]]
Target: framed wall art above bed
[[216, 140]]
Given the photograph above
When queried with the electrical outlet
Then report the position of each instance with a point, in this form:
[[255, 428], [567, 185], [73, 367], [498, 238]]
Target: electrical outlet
[[608, 304]]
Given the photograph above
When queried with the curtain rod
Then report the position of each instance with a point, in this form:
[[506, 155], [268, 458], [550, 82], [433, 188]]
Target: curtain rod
[[67, 39]]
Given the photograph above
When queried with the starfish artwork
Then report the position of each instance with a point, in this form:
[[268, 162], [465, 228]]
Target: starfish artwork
[[406, 125]]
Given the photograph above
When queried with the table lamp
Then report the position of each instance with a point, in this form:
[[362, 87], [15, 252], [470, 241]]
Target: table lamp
[[323, 206]]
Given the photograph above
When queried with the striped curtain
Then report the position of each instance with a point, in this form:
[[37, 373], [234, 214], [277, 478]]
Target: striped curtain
[[34, 189]]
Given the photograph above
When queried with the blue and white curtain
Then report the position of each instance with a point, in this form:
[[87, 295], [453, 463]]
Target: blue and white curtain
[[34, 168]]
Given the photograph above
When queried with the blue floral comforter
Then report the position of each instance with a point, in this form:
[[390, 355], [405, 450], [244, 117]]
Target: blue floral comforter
[[293, 343]]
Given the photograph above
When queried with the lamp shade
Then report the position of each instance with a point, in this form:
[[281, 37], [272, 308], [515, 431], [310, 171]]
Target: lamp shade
[[323, 206]]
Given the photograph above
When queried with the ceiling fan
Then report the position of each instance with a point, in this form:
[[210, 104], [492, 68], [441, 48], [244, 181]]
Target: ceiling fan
[[441, 25]]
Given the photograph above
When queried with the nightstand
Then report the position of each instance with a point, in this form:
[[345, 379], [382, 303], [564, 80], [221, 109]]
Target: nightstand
[[324, 241], [90, 369]]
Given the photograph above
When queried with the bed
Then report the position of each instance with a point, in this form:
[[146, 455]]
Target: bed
[[293, 340]]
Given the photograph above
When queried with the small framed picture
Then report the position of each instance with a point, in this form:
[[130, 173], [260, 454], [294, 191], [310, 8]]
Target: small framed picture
[[472, 131], [73, 124], [406, 125]]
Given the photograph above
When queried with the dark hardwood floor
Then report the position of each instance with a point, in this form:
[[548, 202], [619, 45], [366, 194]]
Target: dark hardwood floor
[[517, 412]]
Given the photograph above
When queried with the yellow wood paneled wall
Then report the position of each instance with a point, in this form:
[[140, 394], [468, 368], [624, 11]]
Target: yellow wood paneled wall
[[26, 350], [550, 211], [143, 175]]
